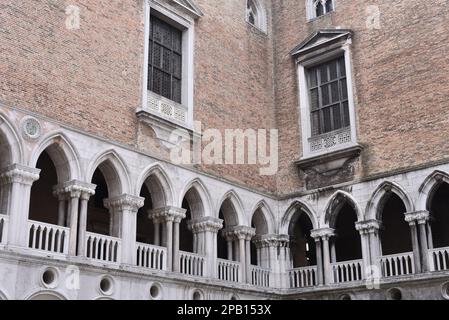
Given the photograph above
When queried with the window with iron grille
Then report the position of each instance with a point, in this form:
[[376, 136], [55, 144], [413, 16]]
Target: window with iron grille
[[165, 60], [328, 93]]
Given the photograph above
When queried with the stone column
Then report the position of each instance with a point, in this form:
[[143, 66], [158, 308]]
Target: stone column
[[319, 261], [17, 180], [172, 217], [369, 231], [62, 206], [418, 229], [125, 208], [206, 229], [325, 235], [82, 228]]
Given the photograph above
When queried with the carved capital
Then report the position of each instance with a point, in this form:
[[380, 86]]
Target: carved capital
[[420, 217], [368, 226], [74, 189], [239, 232], [272, 241], [167, 214], [19, 174], [205, 224], [323, 234], [124, 202]]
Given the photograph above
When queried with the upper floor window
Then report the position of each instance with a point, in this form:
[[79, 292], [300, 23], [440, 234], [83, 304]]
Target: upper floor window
[[328, 96], [256, 15], [317, 8], [165, 60]]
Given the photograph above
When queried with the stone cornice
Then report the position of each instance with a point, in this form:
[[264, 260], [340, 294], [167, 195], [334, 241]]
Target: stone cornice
[[368, 226], [19, 174], [167, 214], [125, 202], [322, 233], [239, 232], [205, 224], [421, 217]]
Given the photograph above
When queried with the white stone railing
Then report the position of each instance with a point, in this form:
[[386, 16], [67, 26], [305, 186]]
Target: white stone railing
[[48, 237], [151, 257], [397, 265], [330, 140], [439, 259], [228, 270], [260, 277], [166, 108], [348, 271], [303, 277], [3, 228], [191, 264], [103, 248]]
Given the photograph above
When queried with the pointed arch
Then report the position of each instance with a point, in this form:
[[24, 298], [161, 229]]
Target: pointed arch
[[62, 153], [292, 210], [46, 295], [429, 186], [159, 185], [198, 197], [381, 195], [10, 144], [263, 218], [335, 203], [256, 14], [232, 208], [114, 171]]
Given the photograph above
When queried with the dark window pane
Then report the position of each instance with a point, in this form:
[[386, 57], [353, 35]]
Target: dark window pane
[[327, 120], [335, 94], [344, 89], [177, 66], [177, 41], [313, 80], [336, 114], [333, 70], [346, 119], [157, 55], [166, 35], [342, 67], [323, 73], [157, 81], [316, 123], [314, 99], [319, 10], [177, 90], [166, 86], [166, 59], [329, 6], [325, 94]]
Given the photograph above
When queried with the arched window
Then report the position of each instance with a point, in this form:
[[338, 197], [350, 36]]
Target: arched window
[[256, 15], [317, 8]]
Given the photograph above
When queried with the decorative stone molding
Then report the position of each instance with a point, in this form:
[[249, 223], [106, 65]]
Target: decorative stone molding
[[239, 232], [125, 202], [324, 233], [168, 214], [17, 173], [420, 217], [31, 128], [368, 226], [205, 224]]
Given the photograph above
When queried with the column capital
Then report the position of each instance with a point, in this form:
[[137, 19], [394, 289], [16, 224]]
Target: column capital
[[421, 217], [17, 173], [239, 232], [368, 226], [124, 202], [74, 189], [323, 233], [167, 214], [205, 224], [271, 241]]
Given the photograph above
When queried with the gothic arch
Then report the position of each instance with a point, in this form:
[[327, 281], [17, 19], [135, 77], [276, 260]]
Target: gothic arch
[[114, 171], [63, 155], [263, 218], [10, 144], [198, 198], [260, 13], [375, 204], [159, 185], [429, 186], [46, 295], [232, 209], [292, 210], [335, 203]]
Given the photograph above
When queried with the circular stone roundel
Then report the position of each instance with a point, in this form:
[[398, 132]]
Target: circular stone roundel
[[31, 128]]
